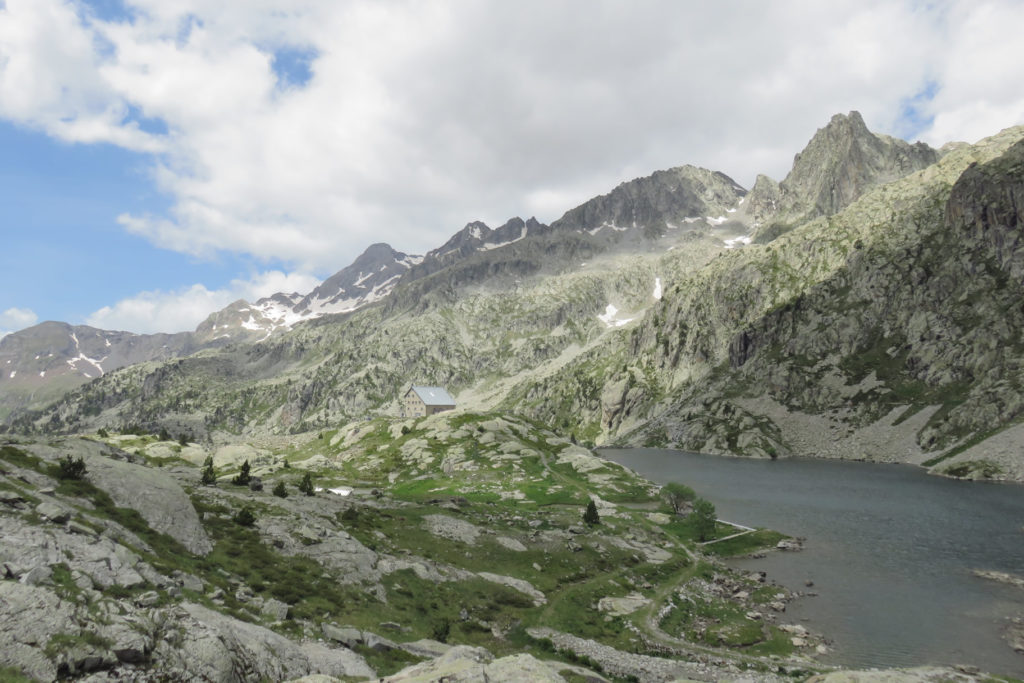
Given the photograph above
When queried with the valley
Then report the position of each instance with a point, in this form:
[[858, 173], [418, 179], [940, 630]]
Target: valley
[[866, 307]]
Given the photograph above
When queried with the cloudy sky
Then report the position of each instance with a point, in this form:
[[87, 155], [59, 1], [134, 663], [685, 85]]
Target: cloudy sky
[[162, 158]]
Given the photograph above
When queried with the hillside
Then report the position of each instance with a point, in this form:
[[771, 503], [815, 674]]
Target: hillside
[[636, 319], [440, 542]]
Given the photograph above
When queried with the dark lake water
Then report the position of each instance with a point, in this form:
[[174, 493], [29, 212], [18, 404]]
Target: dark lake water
[[889, 548]]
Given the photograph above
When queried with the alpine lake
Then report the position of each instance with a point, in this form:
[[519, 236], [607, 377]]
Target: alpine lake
[[889, 552]]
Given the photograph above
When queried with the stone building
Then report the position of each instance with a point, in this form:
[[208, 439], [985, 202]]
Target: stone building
[[419, 401]]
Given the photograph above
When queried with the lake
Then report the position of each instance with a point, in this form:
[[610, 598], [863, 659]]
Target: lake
[[889, 548]]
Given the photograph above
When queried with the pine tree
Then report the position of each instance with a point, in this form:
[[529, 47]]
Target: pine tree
[[245, 517], [209, 477], [306, 486], [590, 515], [243, 477], [703, 518], [280, 491]]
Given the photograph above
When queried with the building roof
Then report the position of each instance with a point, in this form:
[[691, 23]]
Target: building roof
[[434, 396]]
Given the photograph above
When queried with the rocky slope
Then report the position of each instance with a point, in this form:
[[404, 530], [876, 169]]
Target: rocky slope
[[856, 336], [40, 363], [465, 529], [841, 162], [43, 362], [853, 334]]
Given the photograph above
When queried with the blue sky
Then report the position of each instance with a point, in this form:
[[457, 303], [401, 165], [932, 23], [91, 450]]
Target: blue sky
[[160, 160]]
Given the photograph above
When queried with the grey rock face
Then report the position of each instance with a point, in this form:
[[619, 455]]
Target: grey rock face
[[41, 362], [842, 161], [211, 646], [157, 497], [665, 197], [29, 615]]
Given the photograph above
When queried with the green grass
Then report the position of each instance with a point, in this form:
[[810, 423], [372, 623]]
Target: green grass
[[62, 642], [762, 539], [11, 674], [20, 458]]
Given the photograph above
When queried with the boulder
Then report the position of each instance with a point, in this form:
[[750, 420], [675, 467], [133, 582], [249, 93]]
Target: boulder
[[158, 498], [452, 528], [510, 543], [58, 514], [275, 609], [346, 635], [10, 498], [521, 585]]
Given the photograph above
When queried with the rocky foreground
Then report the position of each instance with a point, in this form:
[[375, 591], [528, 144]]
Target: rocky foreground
[[445, 548]]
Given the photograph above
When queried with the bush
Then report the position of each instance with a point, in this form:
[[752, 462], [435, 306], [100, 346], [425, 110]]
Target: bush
[[102, 433], [70, 469], [306, 485], [245, 517], [164, 435], [279, 490], [590, 515], [441, 630], [209, 477], [243, 477], [677, 496], [703, 517]]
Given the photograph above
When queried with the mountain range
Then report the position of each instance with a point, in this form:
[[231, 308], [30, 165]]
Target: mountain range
[[865, 306]]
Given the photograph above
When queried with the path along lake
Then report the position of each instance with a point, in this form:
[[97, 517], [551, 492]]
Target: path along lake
[[889, 548]]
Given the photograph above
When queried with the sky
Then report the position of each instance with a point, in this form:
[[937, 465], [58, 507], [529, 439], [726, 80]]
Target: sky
[[160, 159]]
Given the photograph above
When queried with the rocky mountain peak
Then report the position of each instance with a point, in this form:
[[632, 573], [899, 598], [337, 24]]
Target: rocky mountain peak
[[841, 162], [663, 200]]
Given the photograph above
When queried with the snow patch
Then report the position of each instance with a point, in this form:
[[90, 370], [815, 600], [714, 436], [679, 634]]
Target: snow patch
[[657, 288], [42, 373], [489, 246], [715, 221], [82, 357], [737, 242], [609, 319], [363, 278], [606, 224], [13, 372]]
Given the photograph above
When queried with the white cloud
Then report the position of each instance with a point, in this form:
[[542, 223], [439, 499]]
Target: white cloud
[[422, 116], [14, 319], [184, 309]]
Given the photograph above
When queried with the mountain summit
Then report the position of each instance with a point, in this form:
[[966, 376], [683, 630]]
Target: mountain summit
[[841, 162]]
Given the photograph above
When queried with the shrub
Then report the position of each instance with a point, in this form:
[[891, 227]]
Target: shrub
[[102, 433], [441, 630], [243, 477], [306, 485], [590, 515], [245, 517], [67, 468], [280, 491], [703, 517], [677, 496], [209, 477]]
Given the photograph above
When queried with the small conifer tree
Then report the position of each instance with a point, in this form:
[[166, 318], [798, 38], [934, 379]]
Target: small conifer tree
[[243, 477], [68, 468], [306, 485], [280, 491], [209, 477], [590, 515], [245, 517]]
